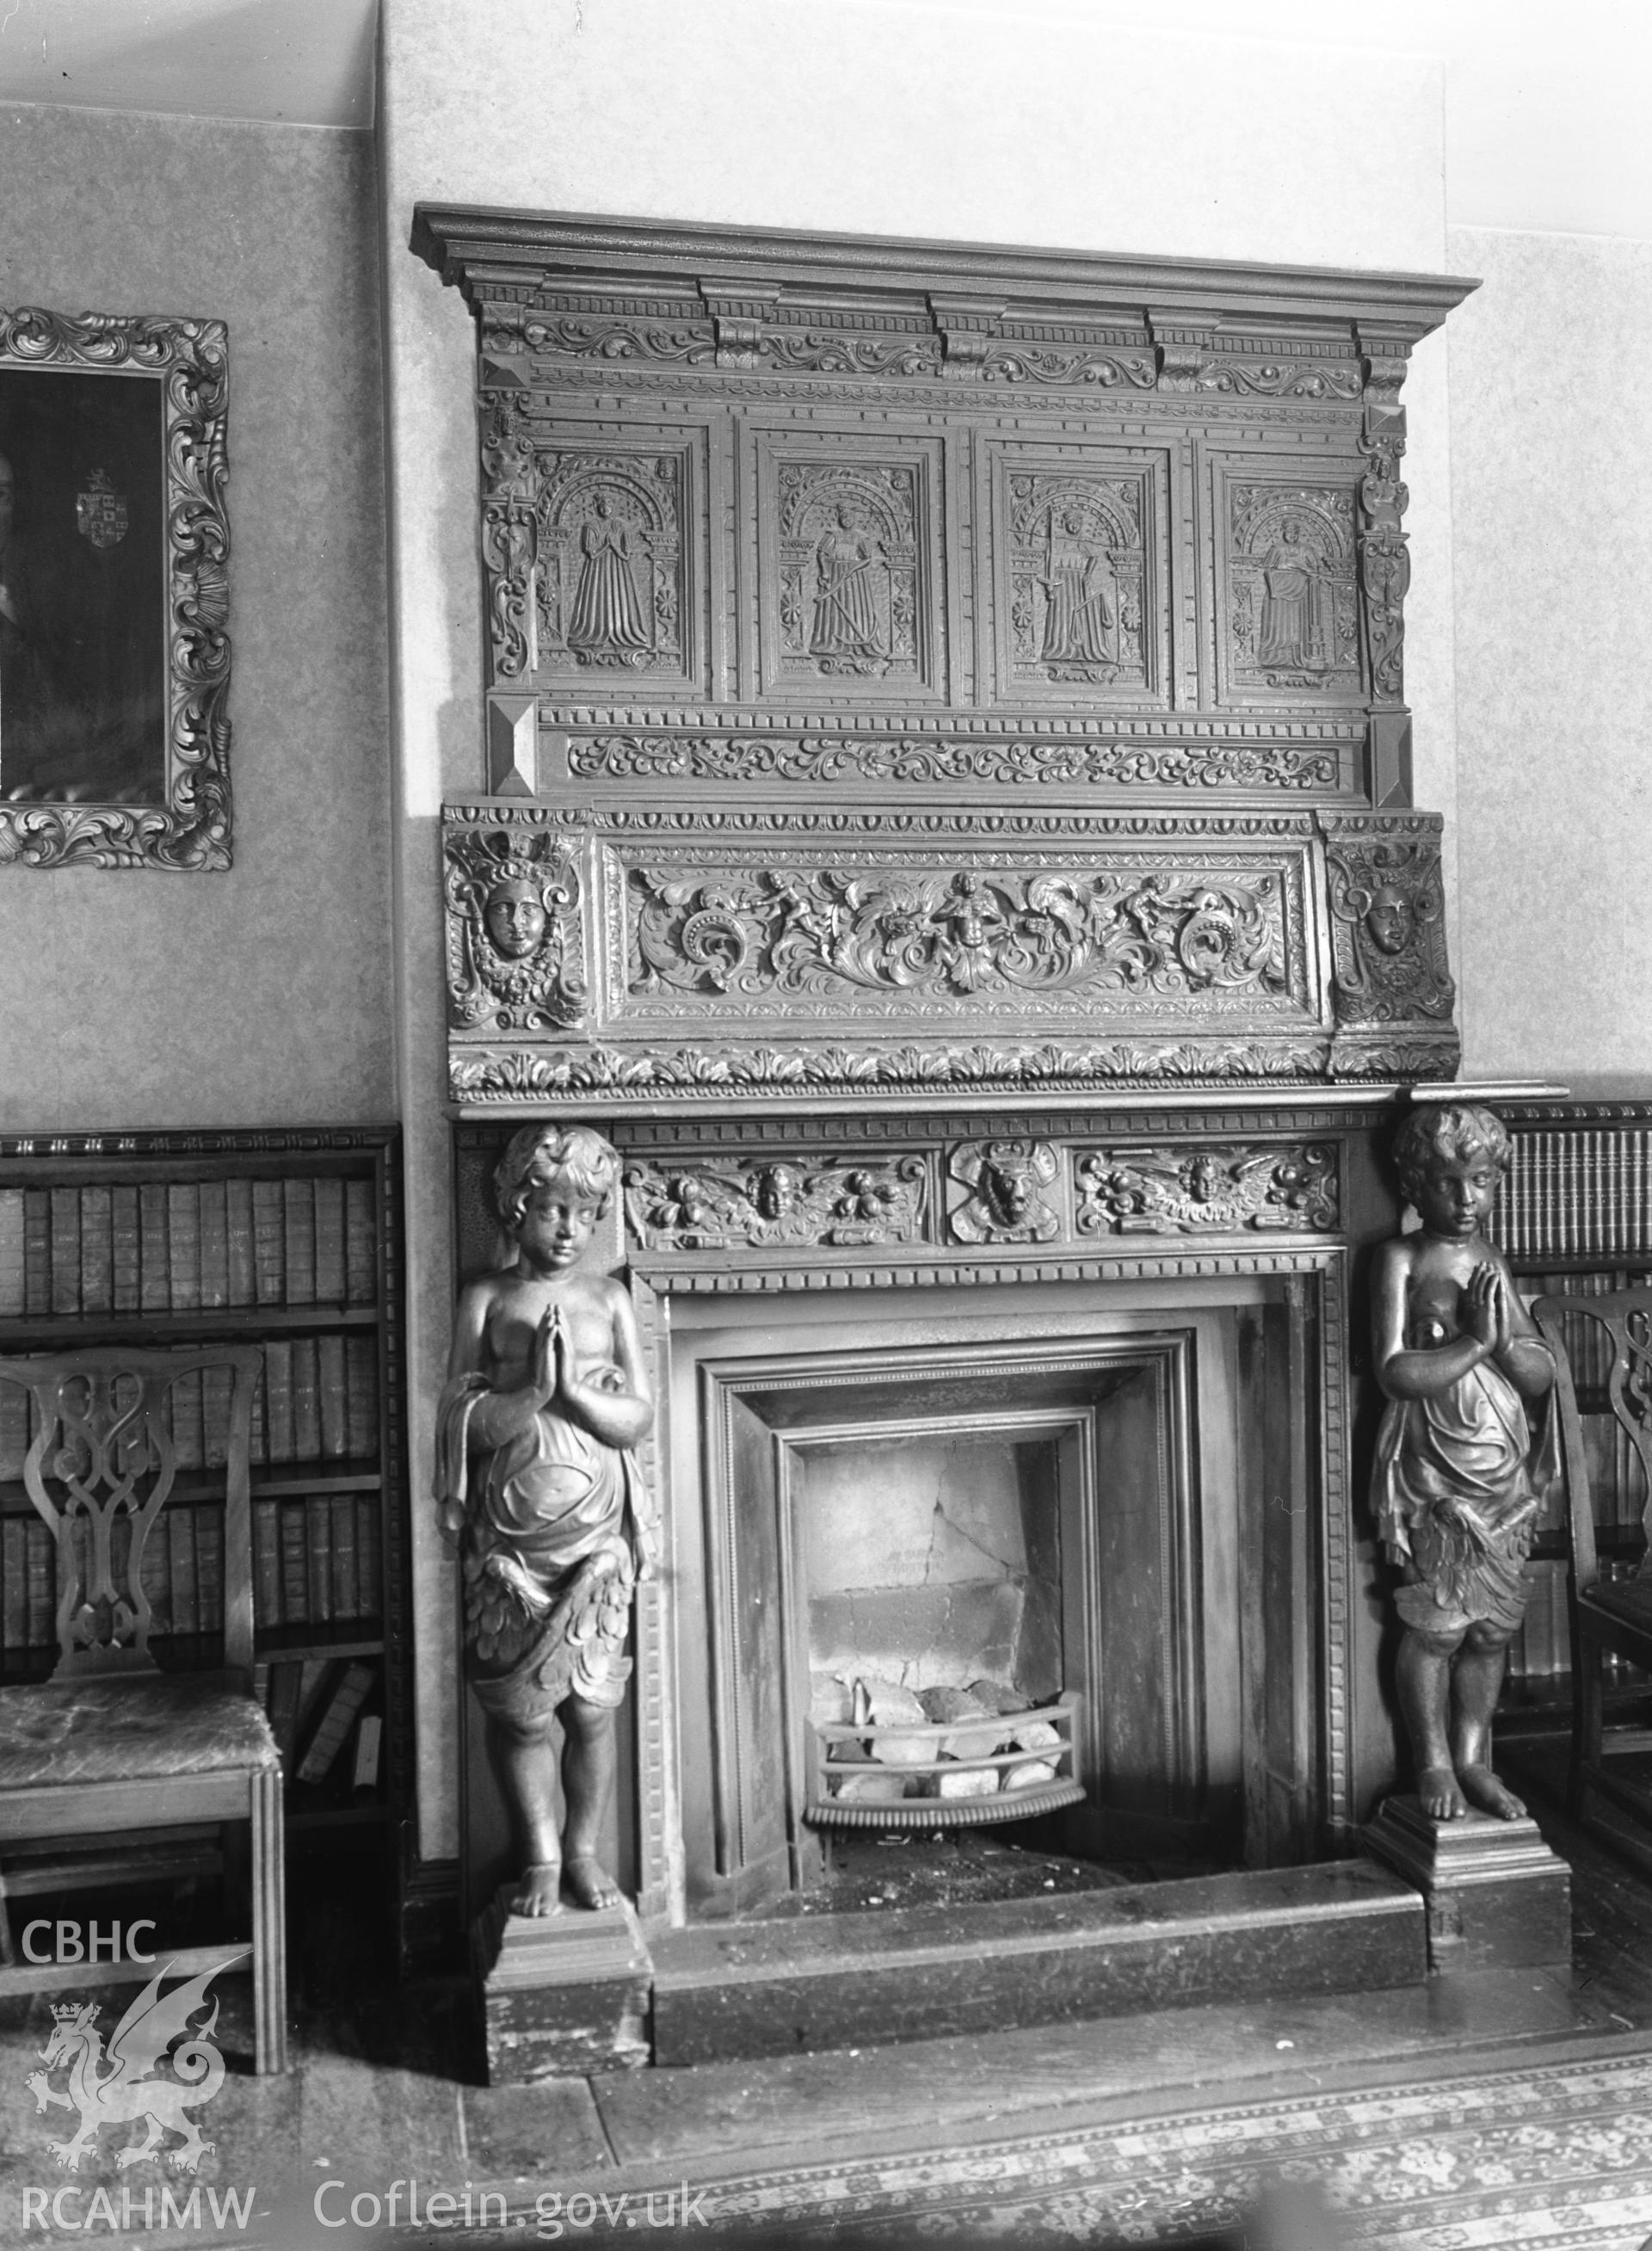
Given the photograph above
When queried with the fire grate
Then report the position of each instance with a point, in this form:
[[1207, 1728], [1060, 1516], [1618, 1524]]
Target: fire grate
[[943, 1774]]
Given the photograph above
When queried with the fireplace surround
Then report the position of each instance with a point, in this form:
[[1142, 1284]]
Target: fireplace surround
[[946, 819]]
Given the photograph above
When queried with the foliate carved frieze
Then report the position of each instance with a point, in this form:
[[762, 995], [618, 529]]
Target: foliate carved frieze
[[514, 942], [1293, 621], [831, 759], [1004, 1190], [1208, 1189], [815, 759], [772, 1204], [914, 940], [489, 1077], [1387, 910]]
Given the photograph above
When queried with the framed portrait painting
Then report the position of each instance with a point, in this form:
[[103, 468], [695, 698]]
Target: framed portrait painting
[[115, 654]]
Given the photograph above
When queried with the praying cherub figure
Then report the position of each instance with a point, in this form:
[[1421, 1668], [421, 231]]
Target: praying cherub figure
[[1458, 1357], [546, 1396]]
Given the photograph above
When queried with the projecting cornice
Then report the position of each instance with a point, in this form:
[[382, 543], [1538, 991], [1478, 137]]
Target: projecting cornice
[[950, 288]]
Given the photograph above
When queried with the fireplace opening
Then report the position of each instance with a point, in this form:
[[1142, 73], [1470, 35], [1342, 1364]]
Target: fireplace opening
[[952, 1580], [932, 1565]]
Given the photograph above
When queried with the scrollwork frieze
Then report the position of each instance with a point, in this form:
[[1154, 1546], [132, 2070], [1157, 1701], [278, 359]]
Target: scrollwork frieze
[[1207, 1190], [796, 934]]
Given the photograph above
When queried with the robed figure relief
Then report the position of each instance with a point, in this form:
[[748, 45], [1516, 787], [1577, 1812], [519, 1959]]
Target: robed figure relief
[[1079, 614], [609, 619], [846, 609], [1297, 622]]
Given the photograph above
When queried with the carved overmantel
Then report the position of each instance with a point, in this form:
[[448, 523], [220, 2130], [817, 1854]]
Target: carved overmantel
[[919, 670]]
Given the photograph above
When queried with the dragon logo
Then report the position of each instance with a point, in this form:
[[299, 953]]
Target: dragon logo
[[108, 2090]]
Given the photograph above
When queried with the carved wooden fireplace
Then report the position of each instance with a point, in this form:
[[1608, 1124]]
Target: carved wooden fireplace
[[947, 821]]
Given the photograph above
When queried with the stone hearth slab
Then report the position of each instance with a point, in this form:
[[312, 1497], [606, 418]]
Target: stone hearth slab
[[757, 1989]]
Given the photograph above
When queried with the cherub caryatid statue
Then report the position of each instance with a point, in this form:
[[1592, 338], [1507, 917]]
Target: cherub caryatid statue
[[536, 1482], [1455, 1496]]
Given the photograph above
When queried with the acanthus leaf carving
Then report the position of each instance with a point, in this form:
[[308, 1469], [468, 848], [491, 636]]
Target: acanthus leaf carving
[[1011, 1191], [772, 1204], [794, 931], [1212, 1189], [514, 948], [485, 1076]]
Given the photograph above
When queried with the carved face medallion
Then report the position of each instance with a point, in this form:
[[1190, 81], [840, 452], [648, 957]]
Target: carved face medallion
[[1390, 920], [516, 918]]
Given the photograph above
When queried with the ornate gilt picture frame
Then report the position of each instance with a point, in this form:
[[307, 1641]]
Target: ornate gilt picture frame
[[114, 657]]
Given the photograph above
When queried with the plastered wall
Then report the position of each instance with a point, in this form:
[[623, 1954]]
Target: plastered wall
[[883, 116], [1552, 586], [261, 996]]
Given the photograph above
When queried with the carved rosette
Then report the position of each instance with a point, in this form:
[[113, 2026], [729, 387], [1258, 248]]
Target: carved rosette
[[514, 937], [712, 1203], [1208, 1189], [1004, 1190], [1387, 911]]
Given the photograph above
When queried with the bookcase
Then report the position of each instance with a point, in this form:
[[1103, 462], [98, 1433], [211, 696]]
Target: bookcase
[[290, 1240], [1575, 1216]]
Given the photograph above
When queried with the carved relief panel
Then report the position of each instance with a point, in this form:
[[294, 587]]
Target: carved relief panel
[[1287, 599], [851, 585], [1180, 933], [594, 550], [1082, 582]]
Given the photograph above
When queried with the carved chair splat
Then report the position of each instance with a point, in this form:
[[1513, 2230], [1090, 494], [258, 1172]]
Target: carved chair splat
[[111, 1742], [1609, 1615]]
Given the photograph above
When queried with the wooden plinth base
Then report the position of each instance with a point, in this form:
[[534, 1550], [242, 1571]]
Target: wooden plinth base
[[1497, 1897], [561, 1994]]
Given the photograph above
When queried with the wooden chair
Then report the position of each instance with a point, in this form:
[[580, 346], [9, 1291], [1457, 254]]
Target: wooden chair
[[111, 1744], [1609, 1335]]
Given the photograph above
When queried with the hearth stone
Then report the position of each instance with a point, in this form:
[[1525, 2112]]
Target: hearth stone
[[777, 1988], [1497, 1897], [561, 1994]]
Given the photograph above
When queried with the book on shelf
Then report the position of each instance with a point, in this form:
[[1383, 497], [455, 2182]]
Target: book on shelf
[[62, 1221], [184, 1245], [37, 1250], [12, 1263], [266, 1564], [296, 1574], [239, 1272], [318, 1558], [97, 1251], [361, 1242], [214, 1222], [368, 1738], [332, 1399], [298, 1205], [306, 1405], [328, 1264], [269, 1249], [125, 1248], [345, 1701], [347, 1602], [40, 1581], [14, 1584], [361, 1397]]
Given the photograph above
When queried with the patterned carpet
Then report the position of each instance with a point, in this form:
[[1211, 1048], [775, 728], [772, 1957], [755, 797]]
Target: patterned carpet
[[1556, 2154]]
